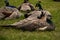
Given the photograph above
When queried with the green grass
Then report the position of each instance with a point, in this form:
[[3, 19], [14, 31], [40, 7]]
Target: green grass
[[14, 34]]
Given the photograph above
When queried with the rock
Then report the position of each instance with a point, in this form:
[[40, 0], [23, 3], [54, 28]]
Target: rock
[[10, 13]]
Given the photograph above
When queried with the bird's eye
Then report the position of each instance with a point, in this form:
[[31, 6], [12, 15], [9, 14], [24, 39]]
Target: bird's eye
[[49, 15]]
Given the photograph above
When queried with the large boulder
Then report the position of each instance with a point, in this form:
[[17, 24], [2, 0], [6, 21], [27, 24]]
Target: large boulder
[[36, 21], [9, 13]]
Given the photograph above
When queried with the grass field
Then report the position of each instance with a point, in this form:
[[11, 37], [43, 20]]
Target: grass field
[[14, 34]]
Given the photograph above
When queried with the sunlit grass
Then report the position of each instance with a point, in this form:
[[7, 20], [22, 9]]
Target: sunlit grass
[[15, 34]]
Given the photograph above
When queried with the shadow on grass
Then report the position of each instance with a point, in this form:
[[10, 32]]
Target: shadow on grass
[[2, 38]]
